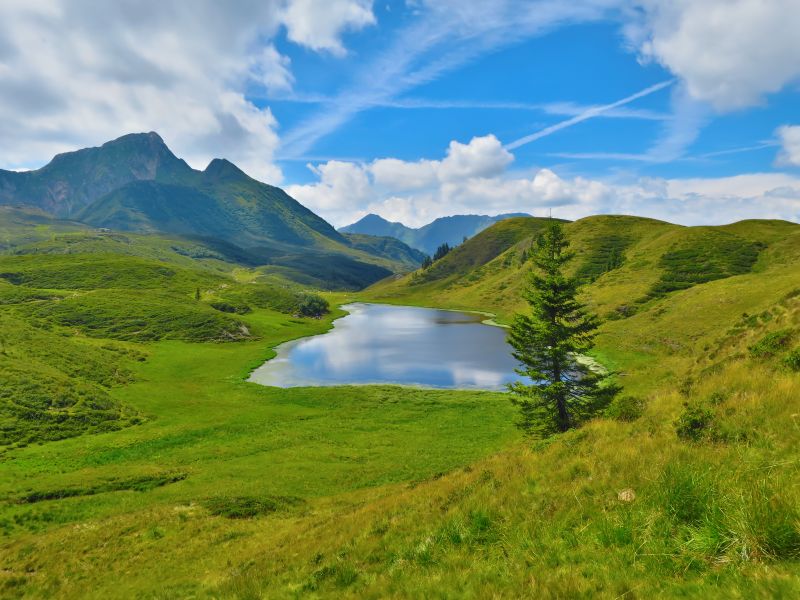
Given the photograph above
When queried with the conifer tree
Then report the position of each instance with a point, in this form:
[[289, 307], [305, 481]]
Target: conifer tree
[[562, 392]]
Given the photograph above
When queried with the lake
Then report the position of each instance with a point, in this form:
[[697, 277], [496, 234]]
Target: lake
[[382, 344]]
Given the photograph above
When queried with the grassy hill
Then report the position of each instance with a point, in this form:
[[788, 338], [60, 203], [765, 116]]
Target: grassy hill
[[175, 478]]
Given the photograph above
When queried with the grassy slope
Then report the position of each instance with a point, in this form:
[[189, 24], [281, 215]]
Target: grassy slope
[[396, 499]]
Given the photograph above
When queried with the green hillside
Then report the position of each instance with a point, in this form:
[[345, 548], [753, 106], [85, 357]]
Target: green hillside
[[386, 246], [138, 462]]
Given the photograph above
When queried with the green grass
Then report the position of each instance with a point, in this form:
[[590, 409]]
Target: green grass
[[135, 316], [219, 488], [705, 255]]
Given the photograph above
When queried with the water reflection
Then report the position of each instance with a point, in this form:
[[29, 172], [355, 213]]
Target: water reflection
[[396, 344]]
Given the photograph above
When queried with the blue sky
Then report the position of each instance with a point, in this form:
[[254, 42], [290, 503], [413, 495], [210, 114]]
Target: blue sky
[[685, 110]]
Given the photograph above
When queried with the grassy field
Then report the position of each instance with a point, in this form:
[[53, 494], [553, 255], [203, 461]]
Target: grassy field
[[176, 478]]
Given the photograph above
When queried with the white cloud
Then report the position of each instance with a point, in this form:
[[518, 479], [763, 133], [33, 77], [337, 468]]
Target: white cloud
[[75, 73], [789, 136], [415, 193], [401, 175], [482, 157], [343, 187], [730, 53], [319, 24]]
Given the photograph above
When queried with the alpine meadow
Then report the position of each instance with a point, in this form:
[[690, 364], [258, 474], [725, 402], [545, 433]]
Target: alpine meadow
[[422, 299]]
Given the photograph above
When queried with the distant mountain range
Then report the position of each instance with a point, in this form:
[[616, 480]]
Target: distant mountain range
[[136, 184], [450, 230]]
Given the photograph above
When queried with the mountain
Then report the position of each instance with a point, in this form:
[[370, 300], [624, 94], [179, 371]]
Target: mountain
[[387, 246], [73, 180], [136, 184], [451, 230]]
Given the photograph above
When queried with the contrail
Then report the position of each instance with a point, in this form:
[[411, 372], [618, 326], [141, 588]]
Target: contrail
[[588, 114]]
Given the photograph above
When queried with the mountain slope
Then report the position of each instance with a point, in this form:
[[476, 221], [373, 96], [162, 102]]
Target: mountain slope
[[73, 180], [450, 230], [628, 262], [387, 246], [136, 184]]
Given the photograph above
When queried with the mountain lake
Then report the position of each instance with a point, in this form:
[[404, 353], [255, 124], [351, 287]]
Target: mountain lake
[[398, 345]]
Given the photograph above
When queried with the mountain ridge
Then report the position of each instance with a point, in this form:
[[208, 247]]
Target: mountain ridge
[[137, 184], [450, 230]]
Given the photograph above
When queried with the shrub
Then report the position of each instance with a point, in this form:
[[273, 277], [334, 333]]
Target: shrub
[[771, 344], [311, 305], [695, 422], [625, 408], [247, 507], [227, 307], [792, 360]]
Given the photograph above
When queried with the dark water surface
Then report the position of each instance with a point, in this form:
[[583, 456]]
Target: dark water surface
[[377, 343]]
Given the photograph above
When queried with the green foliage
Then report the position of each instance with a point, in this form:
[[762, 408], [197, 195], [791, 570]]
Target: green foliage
[[311, 305], [239, 309], [141, 483], [704, 256], [792, 360], [563, 392], [688, 495], [695, 422], [772, 344], [605, 254], [135, 316], [387, 247], [247, 507], [53, 387], [96, 271], [327, 271], [625, 408], [482, 248], [287, 299], [442, 251], [37, 406]]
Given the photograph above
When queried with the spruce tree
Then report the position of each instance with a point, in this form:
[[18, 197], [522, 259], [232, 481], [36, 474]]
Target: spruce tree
[[562, 392]]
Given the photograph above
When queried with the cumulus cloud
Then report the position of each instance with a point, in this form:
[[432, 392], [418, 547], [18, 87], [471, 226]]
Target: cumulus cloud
[[80, 72], [789, 136], [730, 53], [344, 188], [318, 24], [415, 193]]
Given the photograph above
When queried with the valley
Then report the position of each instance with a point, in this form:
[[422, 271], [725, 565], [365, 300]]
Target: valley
[[401, 300], [138, 461]]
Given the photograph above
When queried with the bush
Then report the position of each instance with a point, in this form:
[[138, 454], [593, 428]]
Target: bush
[[792, 360], [247, 507], [695, 422], [227, 307], [311, 305], [626, 408], [772, 344]]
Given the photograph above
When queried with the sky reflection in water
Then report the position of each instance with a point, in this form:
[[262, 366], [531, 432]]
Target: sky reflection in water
[[396, 345]]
